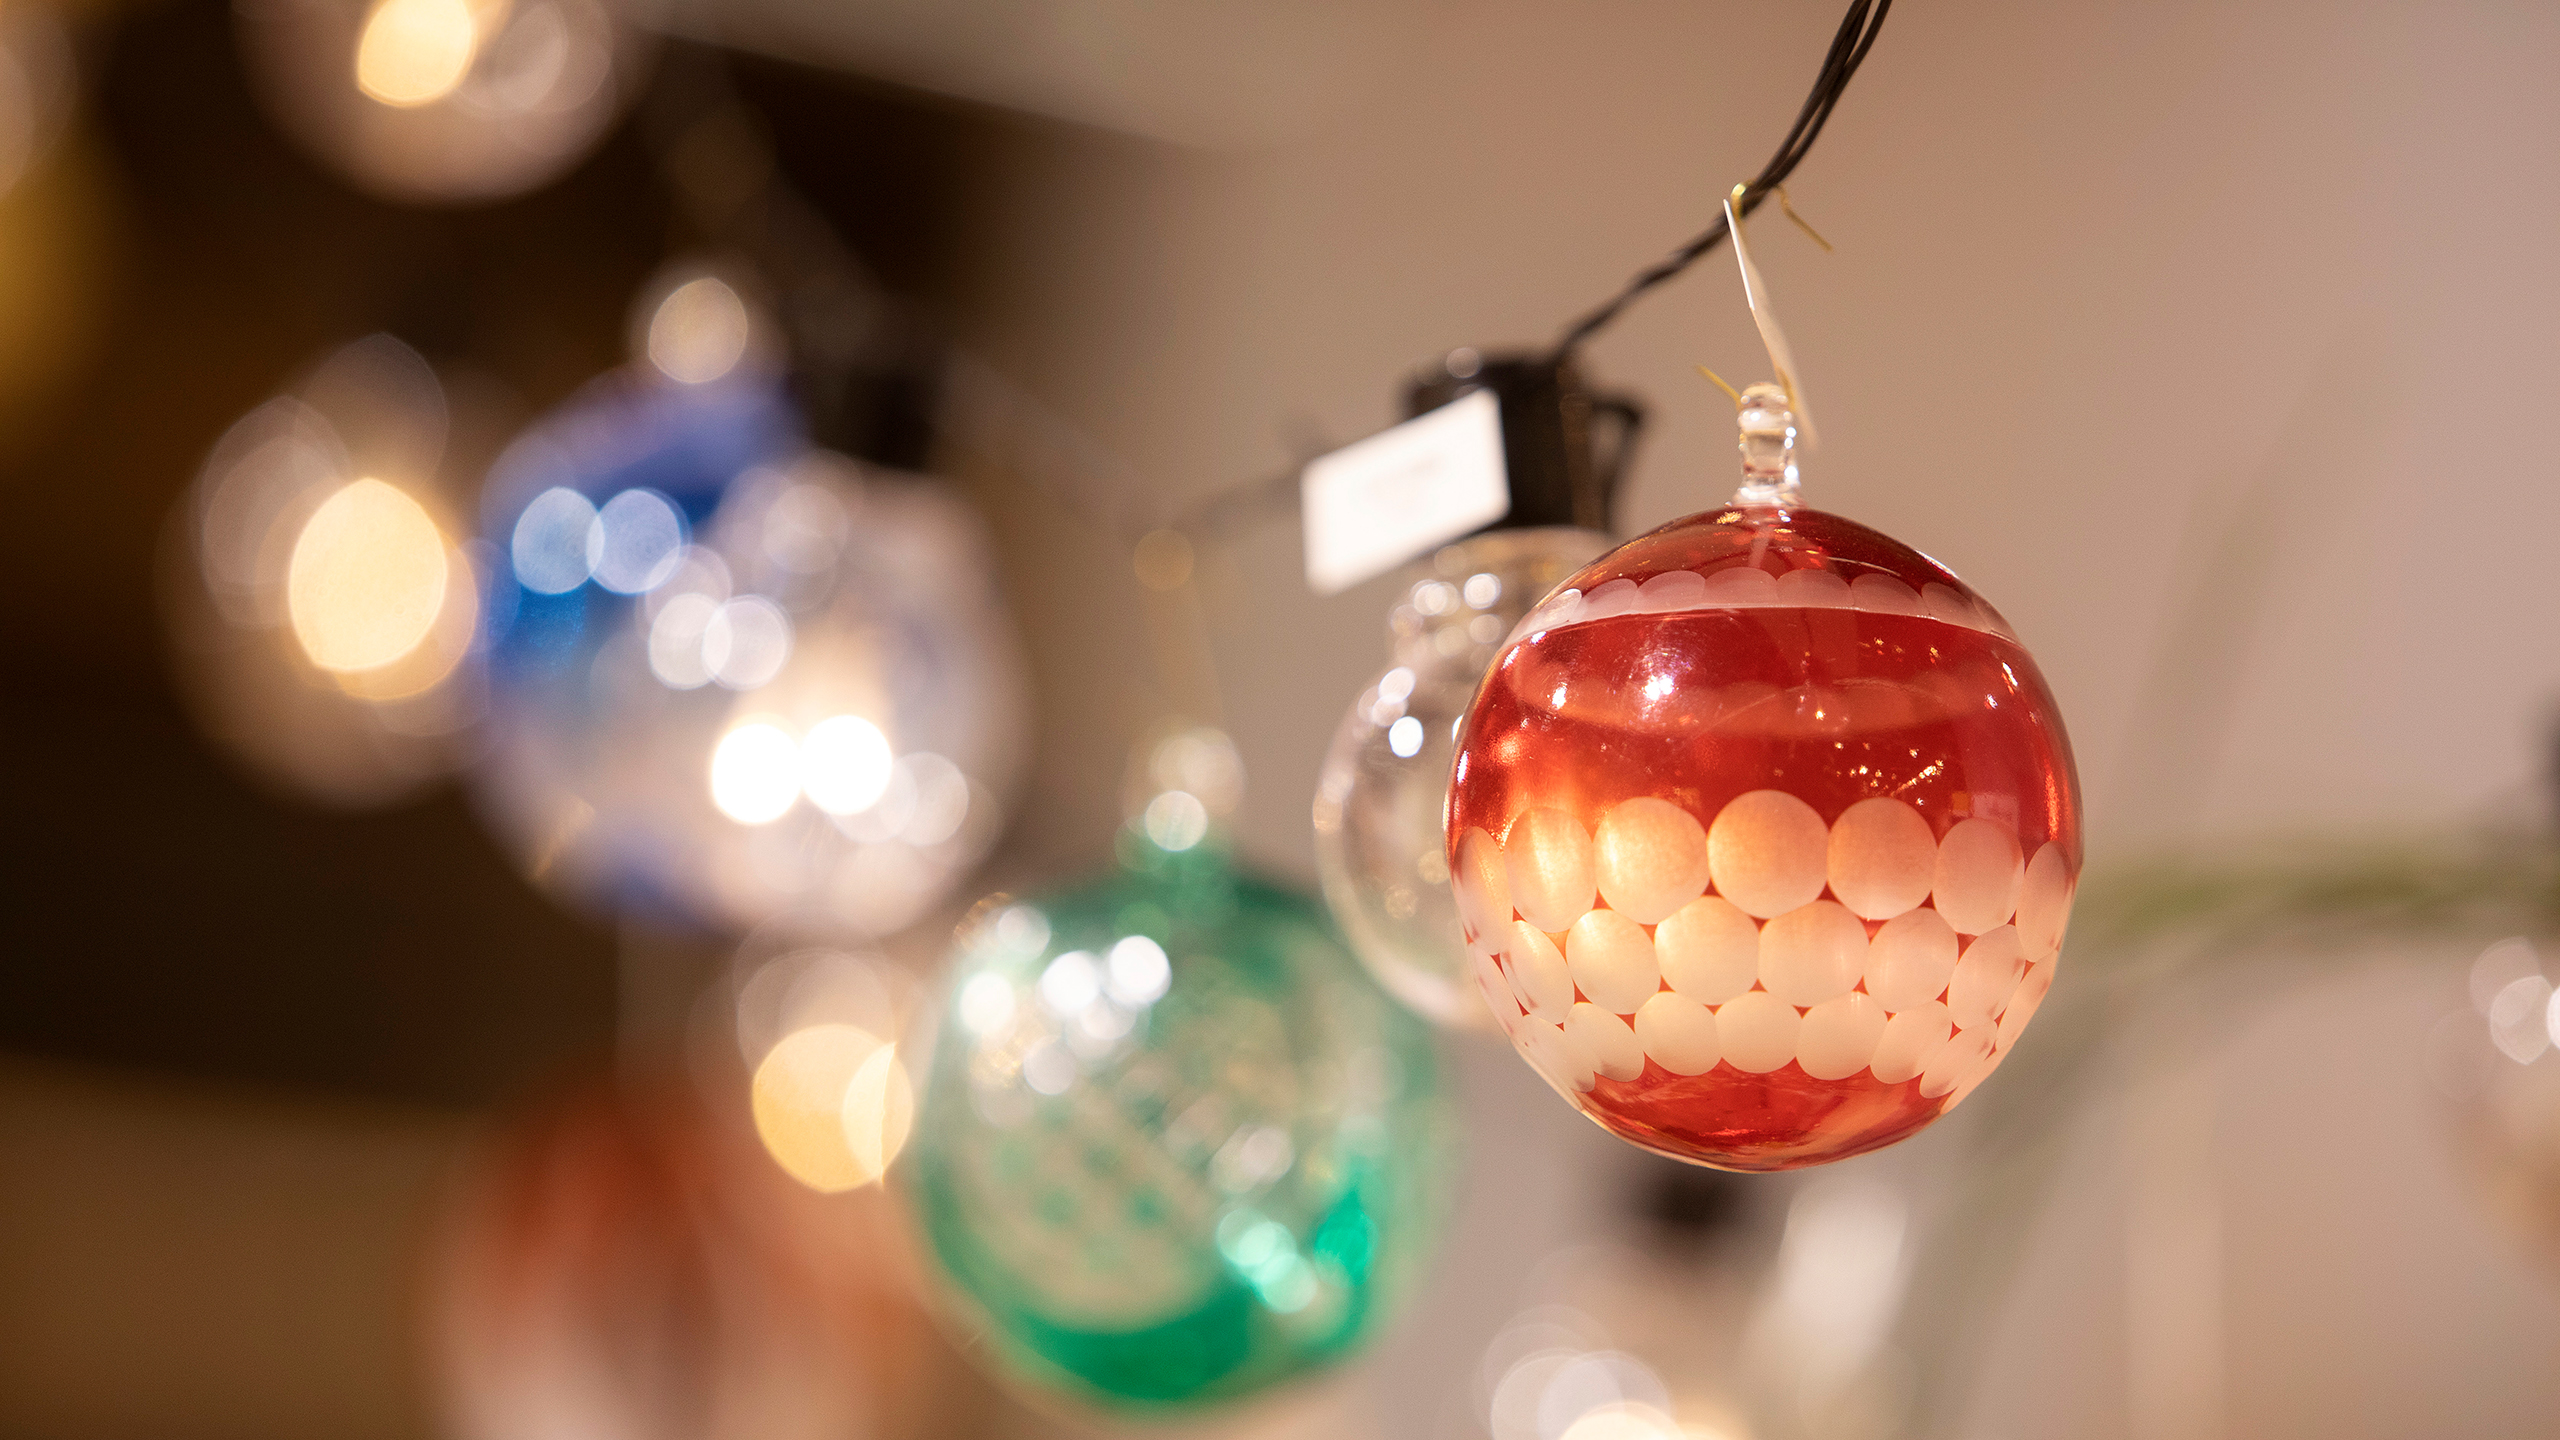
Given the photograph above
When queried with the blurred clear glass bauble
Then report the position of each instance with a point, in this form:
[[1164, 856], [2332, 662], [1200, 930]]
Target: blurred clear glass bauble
[[322, 610], [732, 675], [443, 100], [1380, 845], [1173, 1146]]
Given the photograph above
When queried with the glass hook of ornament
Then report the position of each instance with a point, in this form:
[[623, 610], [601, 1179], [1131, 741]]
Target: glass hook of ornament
[[1764, 828]]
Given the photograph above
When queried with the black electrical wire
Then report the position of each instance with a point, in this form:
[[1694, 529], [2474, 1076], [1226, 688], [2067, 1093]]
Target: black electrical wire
[[791, 242], [1849, 47]]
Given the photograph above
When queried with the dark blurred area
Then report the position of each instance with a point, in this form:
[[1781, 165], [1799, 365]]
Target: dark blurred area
[[166, 913]]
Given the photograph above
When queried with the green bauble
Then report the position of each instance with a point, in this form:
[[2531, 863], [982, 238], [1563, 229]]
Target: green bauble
[[1175, 1146]]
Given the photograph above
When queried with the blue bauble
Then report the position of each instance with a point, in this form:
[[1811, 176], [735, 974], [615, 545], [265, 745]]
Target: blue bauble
[[731, 675]]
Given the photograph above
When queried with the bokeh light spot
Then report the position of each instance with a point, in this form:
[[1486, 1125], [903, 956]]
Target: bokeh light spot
[[549, 547], [699, 332], [1405, 738], [1139, 972], [415, 52], [986, 1004], [367, 578], [635, 543], [803, 1095], [675, 641], [746, 644], [844, 764], [755, 773], [1176, 820], [879, 1108]]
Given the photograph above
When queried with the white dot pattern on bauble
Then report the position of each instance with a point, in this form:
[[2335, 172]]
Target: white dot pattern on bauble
[[1611, 960], [1911, 1039], [1974, 1073], [1954, 1061], [1757, 1032], [1744, 586], [1882, 858], [1651, 859], [1497, 991], [1610, 1041], [1544, 1044], [1768, 852], [1547, 859], [1812, 953], [1978, 876], [1986, 977], [1911, 959], [1709, 950], [2023, 1004], [1763, 936], [1580, 1064], [2044, 902], [1538, 974], [1483, 890], [1839, 1036], [1679, 1033]]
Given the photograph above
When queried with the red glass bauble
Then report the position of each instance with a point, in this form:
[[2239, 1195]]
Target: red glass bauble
[[624, 1264], [1764, 833]]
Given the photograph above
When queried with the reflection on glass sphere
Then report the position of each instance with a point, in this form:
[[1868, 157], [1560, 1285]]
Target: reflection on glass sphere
[[732, 675], [323, 613], [1380, 844], [1174, 1147], [443, 100], [1764, 833]]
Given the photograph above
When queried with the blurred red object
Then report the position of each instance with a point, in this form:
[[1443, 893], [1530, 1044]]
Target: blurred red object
[[623, 1265]]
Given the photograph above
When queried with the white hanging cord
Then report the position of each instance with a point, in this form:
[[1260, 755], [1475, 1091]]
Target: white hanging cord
[[1755, 292]]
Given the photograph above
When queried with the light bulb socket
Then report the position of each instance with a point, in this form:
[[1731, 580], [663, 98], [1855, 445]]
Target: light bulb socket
[[1559, 469]]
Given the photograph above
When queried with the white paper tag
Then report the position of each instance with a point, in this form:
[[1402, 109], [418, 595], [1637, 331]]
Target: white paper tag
[[1376, 503]]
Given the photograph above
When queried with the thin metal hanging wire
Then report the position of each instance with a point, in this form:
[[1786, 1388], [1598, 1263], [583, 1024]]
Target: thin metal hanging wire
[[1849, 47]]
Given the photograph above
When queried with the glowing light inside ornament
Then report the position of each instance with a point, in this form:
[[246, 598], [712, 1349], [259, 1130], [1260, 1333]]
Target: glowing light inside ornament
[[367, 579], [1140, 973], [699, 332], [833, 1105], [1767, 830], [845, 764], [755, 772], [675, 641], [1176, 820], [746, 642], [635, 542], [549, 543], [416, 52]]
